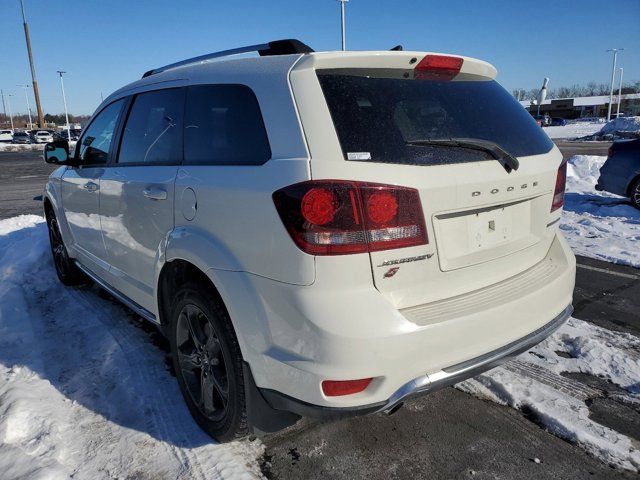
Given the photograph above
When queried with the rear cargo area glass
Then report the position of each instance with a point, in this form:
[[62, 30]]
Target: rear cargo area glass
[[378, 113]]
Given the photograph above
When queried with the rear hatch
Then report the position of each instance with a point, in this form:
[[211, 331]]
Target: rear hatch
[[485, 171]]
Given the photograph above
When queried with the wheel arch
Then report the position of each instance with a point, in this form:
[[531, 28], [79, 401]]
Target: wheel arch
[[634, 178]]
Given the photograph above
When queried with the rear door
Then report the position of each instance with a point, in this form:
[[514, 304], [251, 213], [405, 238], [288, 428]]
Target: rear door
[[137, 203], [484, 223], [81, 188]]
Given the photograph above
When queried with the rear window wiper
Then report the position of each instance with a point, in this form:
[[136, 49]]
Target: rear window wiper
[[508, 161]]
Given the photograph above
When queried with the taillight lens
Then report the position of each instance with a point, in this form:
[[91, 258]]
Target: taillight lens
[[610, 152], [337, 217], [438, 67], [561, 181], [335, 388]]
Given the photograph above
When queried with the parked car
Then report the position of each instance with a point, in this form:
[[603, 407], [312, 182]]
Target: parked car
[[558, 122], [6, 135], [21, 137], [42, 136], [620, 173], [318, 234], [62, 135], [543, 120]]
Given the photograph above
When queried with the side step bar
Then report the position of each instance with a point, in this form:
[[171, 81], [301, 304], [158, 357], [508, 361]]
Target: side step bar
[[143, 312]]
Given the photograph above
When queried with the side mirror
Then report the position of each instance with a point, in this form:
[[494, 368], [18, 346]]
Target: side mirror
[[57, 152]]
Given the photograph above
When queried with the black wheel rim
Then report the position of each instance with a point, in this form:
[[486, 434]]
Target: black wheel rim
[[636, 194], [202, 363], [59, 252]]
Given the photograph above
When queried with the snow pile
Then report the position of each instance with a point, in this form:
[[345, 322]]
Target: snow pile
[[598, 224], [622, 124], [83, 392], [26, 147], [573, 130], [533, 384]]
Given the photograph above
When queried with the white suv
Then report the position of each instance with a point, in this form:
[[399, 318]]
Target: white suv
[[318, 234]]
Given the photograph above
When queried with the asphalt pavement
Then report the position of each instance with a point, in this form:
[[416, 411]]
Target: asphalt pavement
[[448, 434]]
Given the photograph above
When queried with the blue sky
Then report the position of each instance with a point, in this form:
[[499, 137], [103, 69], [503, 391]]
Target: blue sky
[[106, 44]]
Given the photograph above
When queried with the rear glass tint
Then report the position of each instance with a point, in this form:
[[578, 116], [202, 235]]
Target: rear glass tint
[[377, 117]]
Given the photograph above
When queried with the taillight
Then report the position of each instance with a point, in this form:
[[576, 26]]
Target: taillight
[[337, 217], [335, 388], [558, 193], [438, 67], [610, 152]]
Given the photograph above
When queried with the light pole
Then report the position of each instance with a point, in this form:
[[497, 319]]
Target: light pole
[[64, 99], [34, 82], [619, 93], [9, 95], [613, 75], [343, 23], [26, 97], [4, 108]]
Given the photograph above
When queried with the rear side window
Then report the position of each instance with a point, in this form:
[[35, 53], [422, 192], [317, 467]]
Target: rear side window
[[96, 141], [378, 117], [153, 132], [224, 126]]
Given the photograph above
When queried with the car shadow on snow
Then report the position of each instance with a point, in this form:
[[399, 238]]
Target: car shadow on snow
[[94, 351], [601, 206]]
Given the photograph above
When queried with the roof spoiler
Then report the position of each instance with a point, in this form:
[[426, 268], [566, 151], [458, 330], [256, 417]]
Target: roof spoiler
[[277, 47]]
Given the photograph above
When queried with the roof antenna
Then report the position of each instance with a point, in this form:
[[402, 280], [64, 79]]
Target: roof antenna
[[397, 48]]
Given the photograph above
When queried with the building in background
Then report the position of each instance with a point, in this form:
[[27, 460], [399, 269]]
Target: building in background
[[580, 107]]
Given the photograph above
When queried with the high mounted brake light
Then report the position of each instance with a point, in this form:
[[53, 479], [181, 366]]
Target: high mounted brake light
[[561, 181], [337, 217], [434, 67]]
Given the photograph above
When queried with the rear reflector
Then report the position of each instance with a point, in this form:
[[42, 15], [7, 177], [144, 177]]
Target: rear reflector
[[561, 181], [435, 67], [337, 217], [336, 388]]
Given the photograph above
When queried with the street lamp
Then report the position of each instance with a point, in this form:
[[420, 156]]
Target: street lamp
[[343, 23], [64, 99], [26, 97], [619, 93], [613, 75], [9, 95]]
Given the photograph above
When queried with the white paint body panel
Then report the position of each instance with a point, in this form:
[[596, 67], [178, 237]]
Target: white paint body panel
[[302, 319]]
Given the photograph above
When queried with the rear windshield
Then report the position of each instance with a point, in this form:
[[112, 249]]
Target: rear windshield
[[377, 117]]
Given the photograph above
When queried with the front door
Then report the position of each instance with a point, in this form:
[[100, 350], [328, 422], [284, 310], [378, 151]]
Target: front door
[[81, 189], [137, 192]]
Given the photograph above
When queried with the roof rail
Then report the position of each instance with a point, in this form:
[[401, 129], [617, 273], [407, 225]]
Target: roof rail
[[277, 47]]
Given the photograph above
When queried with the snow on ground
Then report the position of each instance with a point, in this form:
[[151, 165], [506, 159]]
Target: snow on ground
[[83, 392], [622, 124], [25, 147], [532, 383], [598, 224], [574, 130]]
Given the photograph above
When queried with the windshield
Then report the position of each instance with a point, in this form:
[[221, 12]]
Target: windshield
[[381, 117]]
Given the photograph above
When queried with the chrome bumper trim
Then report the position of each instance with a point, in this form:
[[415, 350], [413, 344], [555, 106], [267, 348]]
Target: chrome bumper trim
[[470, 368]]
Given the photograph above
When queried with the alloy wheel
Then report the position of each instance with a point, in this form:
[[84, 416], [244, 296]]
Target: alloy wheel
[[202, 362]]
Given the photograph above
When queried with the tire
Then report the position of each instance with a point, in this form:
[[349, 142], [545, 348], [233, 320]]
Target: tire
[[208, 362], [634, 193], [68, 273]]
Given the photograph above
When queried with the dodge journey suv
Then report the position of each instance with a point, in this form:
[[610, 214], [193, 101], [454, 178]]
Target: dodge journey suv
[[317, 234]]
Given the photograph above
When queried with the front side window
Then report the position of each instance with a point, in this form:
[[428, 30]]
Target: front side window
[[224, 126], [96, 142], [153, 132]]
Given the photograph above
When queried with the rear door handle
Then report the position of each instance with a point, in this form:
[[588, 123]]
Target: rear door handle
[[155, 193], [90, 186]]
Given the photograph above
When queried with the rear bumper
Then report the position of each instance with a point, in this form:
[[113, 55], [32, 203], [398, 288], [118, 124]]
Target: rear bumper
[[341, 327], [424, 384]]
